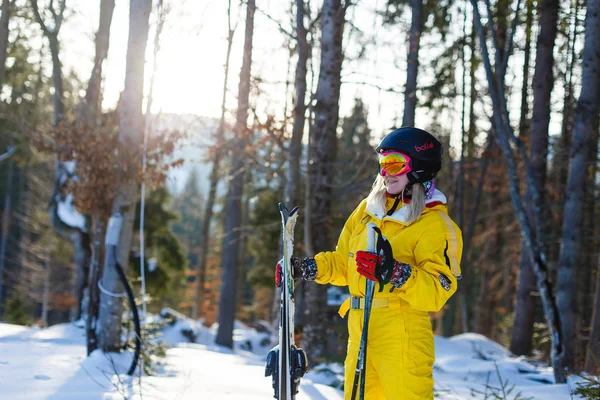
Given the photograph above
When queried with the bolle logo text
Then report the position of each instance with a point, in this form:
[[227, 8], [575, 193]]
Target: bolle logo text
[[426, 146]]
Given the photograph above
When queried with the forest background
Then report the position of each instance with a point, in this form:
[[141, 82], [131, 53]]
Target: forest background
[[115, 110]]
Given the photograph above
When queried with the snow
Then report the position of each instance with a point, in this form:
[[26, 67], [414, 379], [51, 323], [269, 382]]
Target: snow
[[52, 364], [68, 215]]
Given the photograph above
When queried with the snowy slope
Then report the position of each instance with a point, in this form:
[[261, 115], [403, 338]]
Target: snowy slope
[[51, 364]]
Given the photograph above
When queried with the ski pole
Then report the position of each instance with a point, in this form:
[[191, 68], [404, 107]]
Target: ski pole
[[362, 351]]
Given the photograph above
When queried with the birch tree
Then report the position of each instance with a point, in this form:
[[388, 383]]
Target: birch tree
[[323, 151], [130, 136], [233, 208]]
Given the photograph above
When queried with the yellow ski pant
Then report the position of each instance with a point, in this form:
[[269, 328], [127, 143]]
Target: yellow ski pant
[[400, 354]]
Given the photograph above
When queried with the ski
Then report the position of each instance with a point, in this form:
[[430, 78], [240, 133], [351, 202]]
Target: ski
[[286, 363]]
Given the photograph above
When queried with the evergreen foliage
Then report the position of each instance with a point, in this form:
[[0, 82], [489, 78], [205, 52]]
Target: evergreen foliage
[[165, 261], [264, 242], [356, 163], [189, 205], [18, 310], [590, 388]]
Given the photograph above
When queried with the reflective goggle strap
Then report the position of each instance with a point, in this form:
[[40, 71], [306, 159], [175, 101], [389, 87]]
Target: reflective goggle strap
[[395, 206]]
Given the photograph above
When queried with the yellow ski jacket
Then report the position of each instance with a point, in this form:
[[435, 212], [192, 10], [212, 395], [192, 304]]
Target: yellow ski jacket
[[400, 344]]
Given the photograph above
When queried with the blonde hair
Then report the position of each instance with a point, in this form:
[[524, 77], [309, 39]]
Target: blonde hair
[[378, 197]]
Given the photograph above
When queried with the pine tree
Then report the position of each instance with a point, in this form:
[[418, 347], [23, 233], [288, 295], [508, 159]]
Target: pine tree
[[188, 228], [355, 162]]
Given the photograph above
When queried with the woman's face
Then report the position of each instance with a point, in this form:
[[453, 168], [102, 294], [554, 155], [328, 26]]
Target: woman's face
[[395, 184]]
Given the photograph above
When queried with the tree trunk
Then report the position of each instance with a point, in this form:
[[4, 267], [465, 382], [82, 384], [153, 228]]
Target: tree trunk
[[295, 147], [491, 276], [585, 137], [91, 105], [564, 145], [93, 295], [87, 269], [131, 128], [47, 276], [474, 64], [233, 209], [241, 283], [593, 350], [504, 134], [412, 67], [543, 82], [524, 120], [214, 180], [52, 35], [57, 80], [77, 235], [586, 266], [460, 178], [323, 150], [6, 211], [7, 6], [494, 268], [561, 170]]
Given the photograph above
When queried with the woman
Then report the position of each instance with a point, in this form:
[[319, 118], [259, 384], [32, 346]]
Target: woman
[[417, 276]]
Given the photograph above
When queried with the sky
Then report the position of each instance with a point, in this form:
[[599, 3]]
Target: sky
[[190, 64]]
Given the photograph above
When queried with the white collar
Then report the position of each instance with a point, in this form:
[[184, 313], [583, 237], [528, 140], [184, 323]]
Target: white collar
[[401, 214]]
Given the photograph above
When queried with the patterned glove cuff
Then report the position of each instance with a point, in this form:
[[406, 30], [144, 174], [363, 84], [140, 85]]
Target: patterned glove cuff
[[401, 274], [310, 269]]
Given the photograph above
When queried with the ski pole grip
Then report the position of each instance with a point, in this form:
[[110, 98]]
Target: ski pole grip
[[371, 236]]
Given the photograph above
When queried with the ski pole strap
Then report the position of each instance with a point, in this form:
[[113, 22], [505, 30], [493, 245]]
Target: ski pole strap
[[358, 303]]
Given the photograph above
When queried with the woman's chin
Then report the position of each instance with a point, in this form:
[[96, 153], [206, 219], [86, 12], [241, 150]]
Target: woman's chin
[[394, 190]]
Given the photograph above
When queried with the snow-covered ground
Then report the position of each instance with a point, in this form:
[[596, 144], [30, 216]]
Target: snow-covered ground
[[52, 364]]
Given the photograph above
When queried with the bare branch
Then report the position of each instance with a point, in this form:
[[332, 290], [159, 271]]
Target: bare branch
[[52, 10], [385, 89], [38, 17], [510, 44], [490, 15], [281, 28], [314, 22], [60, 18]]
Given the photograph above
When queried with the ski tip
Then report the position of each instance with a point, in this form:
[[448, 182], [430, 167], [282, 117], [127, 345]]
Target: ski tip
[[286, 212]]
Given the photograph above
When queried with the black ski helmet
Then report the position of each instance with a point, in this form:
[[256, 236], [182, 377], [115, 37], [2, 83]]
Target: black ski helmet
[[424, 150]]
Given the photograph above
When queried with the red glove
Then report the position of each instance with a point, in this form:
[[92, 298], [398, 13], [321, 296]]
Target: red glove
[[279, 273], [297, 270], [305, 268], [366, 262]]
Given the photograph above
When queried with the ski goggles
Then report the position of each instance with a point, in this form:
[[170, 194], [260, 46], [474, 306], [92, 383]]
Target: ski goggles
[[393, 163]]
